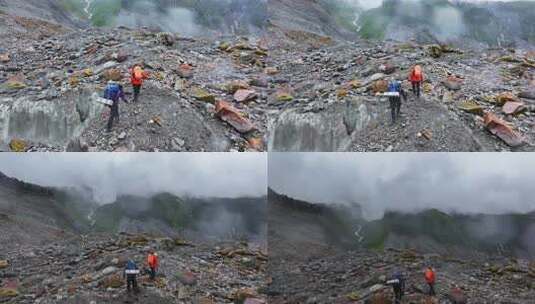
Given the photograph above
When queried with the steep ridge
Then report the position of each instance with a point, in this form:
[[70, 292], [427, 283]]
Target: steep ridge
[[160, 215], [35, 214], [46, 10]]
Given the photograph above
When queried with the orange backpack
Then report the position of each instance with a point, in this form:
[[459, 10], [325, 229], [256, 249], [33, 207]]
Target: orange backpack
[[138, 73], [418, 71], [430, 276], [151, 259]]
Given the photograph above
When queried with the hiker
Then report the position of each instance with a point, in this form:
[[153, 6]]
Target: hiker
[[416, 77], [398, 284], [430, 279], [137, 77], [152, 260], [114, 92], [130, 273], [395, 101]]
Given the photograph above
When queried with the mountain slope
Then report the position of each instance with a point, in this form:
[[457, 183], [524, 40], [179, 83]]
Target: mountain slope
[[487, 23], [501, 24], [298, 228], [168, 214], [430, 231], [436, 231], [32, 213], [25, 207], [318, 17], [47, 10], [183, 16]]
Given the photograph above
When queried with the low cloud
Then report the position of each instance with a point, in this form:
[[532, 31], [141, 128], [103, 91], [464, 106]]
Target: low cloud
[[465, 183], [111, 175], [146, 13], [199, 17]]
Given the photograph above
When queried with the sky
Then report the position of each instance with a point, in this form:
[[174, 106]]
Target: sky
[[112, 174], [456, 182]]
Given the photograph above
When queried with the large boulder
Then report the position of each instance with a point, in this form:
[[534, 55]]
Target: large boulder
[[379, 86], [245, 95], [4, 58], [457, 296], [527, 94], [503, 130], [167, 39], [233, 117], [18, 145], [114, 281], [8, 293], [452, 83], [187, 278], [379, 298], [4, 264], [16, 82], [185, 71], [203, 95], [113, 74]]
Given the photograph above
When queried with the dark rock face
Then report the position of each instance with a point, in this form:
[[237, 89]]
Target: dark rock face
[[48, 10]]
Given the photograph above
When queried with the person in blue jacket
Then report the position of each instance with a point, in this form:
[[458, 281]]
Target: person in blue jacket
[[114, 92], [130, 273]]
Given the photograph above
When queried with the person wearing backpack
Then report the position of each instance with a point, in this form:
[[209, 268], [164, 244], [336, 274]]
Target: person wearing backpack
[[430, 278], [416, 77], [152, 261], [137, 76], [130, 273], [114, 92], [394, 87], [397, 281]]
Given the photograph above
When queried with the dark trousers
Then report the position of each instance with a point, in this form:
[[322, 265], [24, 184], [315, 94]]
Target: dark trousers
[[395, 106], [152, 272], [431, 289], [137, 90], [397, 293], [114, 114], [416, 88], [131, 282]]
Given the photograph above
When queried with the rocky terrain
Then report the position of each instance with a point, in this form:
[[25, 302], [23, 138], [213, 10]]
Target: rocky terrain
[[306, 83], [58, 248], [473, 100], [330, 78], [335, 276], [203, 94], [88, 269], [318, 256]]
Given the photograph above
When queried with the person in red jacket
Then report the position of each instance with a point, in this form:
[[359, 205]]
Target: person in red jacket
[[152, 261], [137, 76], [430, 278], [416, 77]]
